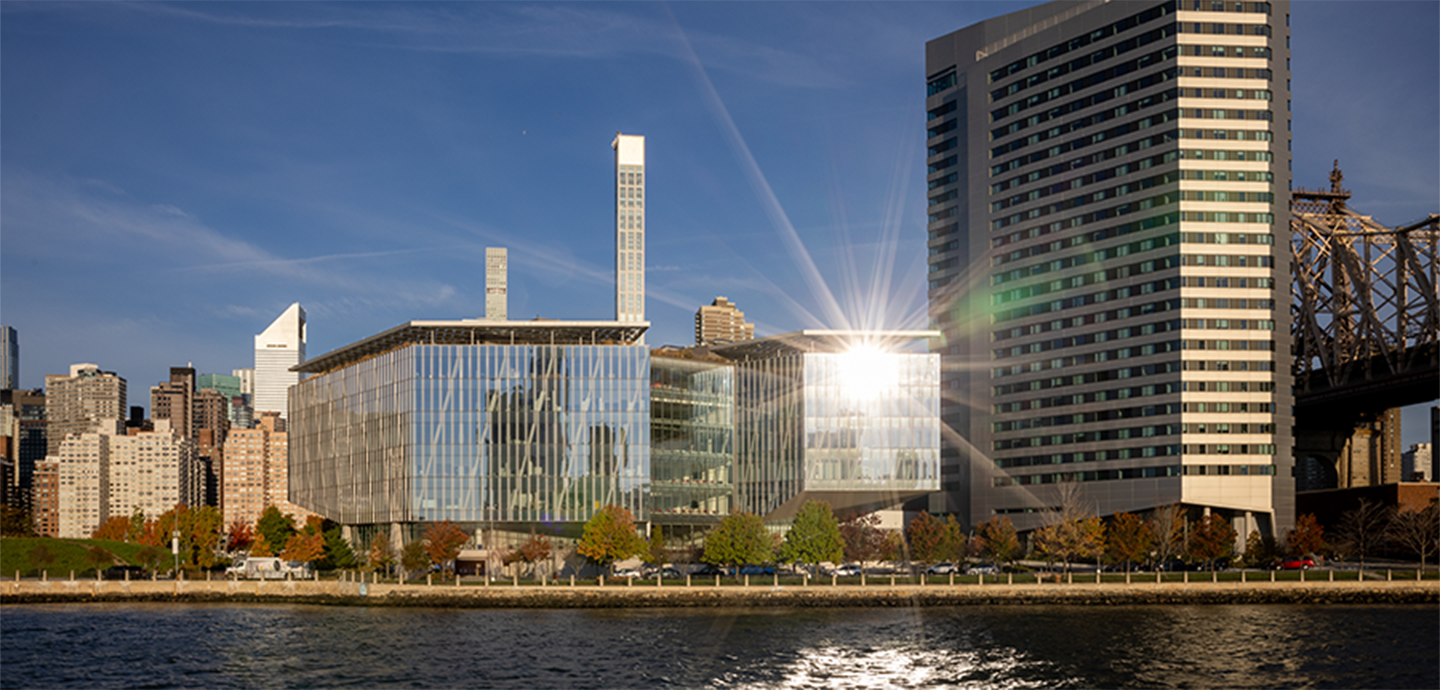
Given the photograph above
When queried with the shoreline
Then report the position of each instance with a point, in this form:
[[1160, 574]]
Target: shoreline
[[333, 593]]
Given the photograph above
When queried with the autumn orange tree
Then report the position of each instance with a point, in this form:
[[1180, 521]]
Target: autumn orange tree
[[1306, 537], [261, 547], [1128, 540], [239, 535], [382, 553], [113, 529], [443, 541], [537, 548], [305, 547], [863, 538], [927, 538], [999, 542]]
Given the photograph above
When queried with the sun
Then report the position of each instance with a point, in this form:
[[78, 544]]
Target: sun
[[866, 371]]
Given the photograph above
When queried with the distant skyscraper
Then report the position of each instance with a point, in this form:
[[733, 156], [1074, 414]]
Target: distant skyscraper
[[87, 400], [1108, 235], [497, 275], [174, 400], [9, 358], [721, 321], [256, 472], [629, 227], [280, 347]]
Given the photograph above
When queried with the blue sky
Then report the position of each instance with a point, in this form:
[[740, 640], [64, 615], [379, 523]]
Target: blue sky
[[172, 176]]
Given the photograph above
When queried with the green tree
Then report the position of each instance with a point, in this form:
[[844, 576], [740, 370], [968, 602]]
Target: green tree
[[1306, 537], [610, 536], [338, 553], [136, 531], [16, 522], [41, 556], [927, 537], [1128, 540], [740, 538], [443, 541], [413, 558], [814, 537], [1212, 538], [1259, 549], [150, 557], [864, 540], [998, 541], [275, 526]]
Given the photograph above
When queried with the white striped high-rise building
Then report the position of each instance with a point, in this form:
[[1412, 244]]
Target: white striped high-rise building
[[497, 278], [1108, 223], [629, 227], [279, 347]]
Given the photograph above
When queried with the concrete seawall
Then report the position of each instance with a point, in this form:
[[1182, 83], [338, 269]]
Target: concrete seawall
[[335, 593]]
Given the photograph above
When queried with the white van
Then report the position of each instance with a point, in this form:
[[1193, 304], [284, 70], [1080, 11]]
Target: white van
[[267, 568]]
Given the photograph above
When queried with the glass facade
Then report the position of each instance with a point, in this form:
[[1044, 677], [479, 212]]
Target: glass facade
[[865, 424], [475, 433], [692, 440]]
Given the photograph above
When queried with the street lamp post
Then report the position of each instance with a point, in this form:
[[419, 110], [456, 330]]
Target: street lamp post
[[175, 548]]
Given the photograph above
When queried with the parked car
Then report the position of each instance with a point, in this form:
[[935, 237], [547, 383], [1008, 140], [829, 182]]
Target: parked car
[[118, 572], [668, 572], [757, 570], [941, 569], [983, 570], [1295, 564], [847, 570], [710, 571], [629, 573]]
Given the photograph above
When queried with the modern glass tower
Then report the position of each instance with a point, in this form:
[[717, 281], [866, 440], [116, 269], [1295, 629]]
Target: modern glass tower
[[279, 347], [1107, 182], [9, 358], [629, 228]]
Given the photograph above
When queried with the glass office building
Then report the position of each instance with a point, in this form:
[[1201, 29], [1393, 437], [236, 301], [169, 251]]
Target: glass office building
[[692, 439], [525, 423], [838, 416], [533, 426]]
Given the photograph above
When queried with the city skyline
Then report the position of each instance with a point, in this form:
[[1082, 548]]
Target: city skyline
[[359, 160]]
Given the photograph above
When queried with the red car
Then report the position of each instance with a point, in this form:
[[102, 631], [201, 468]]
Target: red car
[[1295, 564]]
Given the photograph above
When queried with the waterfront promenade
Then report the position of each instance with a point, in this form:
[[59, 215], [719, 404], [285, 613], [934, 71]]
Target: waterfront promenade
[[761, 592]]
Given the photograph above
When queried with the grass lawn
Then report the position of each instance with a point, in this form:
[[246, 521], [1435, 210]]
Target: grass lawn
[[69, 554]]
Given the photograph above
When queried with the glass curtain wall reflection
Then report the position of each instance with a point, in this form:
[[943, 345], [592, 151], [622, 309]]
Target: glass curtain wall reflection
[[475, 433]]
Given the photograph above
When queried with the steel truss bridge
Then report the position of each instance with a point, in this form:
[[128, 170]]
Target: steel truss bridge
[[1366, 316]]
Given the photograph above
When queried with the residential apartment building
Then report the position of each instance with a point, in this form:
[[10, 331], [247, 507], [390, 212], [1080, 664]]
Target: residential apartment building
[[85, 400], [82, 469], [153, 472], [1108, 215], [721, 322], [256, 472]]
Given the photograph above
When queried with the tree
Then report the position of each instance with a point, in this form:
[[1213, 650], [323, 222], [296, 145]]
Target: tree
[[927, 539], [535, 549], [1072, 532], [998, 541], [150, 557], [113, 529], [275, 526], [1306, 537], [201, 532], [413, 558], [610, 536], [654, 548], [1212, 538], [16, 522], [864, 541], [443, 541], [1128, 540], [1417, 531], [740, 538], [261, 548], [338, 553], [957, 545], [382, 553], [136, 530], [1259, 549], [814, 537], [40, 556], [1167, 528], [100, 558], [239, 536], [1362, 529], [305, 548]]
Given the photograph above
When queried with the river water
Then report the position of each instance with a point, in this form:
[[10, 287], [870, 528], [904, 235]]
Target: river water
[[241, 646]]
